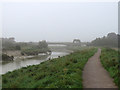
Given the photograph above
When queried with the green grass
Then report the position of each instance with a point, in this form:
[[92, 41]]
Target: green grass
[[63, 72], [110, 60]]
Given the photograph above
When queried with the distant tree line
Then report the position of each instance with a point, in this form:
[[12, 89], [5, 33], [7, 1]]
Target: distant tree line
[[42, 47], [111, 40], [26, 48], [10, 44]]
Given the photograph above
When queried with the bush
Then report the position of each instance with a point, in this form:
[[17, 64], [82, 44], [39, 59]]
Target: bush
[[18, 47], [36, 49], [5, 57]]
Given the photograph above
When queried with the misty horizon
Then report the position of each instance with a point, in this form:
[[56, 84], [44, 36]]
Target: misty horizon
[[59, 22], [57, 41]]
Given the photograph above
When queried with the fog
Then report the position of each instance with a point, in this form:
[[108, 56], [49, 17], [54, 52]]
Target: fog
[[60, 22]]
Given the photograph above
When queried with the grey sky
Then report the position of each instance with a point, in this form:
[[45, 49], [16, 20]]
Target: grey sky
[[59, 21]]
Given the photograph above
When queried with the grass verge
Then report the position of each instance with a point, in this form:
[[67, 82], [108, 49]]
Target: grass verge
[[63, 72], [110, 60]]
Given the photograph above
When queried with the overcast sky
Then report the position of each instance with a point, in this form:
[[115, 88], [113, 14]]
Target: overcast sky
[[59, 21]]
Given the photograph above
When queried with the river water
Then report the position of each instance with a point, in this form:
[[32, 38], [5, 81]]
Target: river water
[[16, 64]]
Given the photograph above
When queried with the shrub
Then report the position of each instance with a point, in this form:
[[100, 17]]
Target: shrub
[[5, 57]]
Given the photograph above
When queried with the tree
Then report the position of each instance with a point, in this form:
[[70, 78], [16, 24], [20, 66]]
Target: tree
[[110, 41], [43, 44]]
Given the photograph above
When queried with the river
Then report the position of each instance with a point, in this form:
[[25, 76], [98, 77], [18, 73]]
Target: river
[[16, 64]]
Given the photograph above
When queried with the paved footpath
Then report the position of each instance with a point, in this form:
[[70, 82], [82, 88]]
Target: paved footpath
[[94, 75]]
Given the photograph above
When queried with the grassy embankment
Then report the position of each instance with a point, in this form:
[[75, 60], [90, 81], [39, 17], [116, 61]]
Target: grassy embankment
[[110, 60], [63, 72]]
